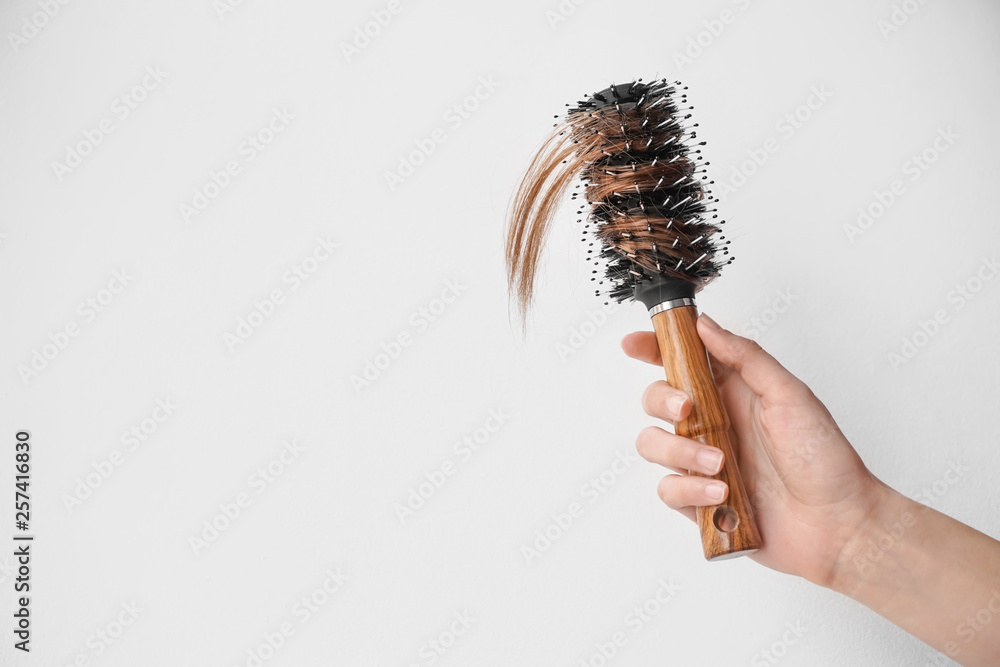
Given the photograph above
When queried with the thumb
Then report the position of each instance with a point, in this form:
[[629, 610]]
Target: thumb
[[762, 372]]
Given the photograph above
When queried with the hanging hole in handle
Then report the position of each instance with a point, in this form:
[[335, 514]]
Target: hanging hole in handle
[[725, 518]]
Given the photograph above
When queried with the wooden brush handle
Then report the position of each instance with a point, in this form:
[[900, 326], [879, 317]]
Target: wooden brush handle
[[686, 364]]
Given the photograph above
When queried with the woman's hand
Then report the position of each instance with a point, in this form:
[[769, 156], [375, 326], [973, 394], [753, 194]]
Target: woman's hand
[[822, 515], [810, 491]]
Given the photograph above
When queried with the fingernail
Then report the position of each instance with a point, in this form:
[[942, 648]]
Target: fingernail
[[716, 491], [710, 323], [710, 459], [674, 404]]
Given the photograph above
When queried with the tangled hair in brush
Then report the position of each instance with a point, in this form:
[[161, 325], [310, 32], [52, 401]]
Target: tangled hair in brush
[[648, 205]]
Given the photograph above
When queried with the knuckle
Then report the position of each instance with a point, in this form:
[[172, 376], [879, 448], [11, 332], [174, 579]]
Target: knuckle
[[795, 390], [685, 452], [750, 348], [649, 398], [654, 400], [806, 392]]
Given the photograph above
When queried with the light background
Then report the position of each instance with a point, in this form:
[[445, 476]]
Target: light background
[[854, 298]]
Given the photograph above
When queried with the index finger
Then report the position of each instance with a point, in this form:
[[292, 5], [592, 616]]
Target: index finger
[[642, 345]]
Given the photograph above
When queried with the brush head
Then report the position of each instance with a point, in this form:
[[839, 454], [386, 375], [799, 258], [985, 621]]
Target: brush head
[[649, 208]]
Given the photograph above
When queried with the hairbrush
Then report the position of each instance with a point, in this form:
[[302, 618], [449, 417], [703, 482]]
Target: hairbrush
[[651, 227]]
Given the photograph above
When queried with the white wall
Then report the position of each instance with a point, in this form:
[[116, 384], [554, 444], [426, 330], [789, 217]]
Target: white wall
[[162, 336]]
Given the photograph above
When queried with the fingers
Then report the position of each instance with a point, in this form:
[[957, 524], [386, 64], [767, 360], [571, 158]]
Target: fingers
[[677, 453], [684, 492], [642, 345], [762, 372], [663, 401], [729, 353]]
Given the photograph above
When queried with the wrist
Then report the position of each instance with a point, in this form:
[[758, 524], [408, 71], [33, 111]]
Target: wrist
[[881, 525]]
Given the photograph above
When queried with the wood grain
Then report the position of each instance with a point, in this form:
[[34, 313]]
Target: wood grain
[[686, 364]]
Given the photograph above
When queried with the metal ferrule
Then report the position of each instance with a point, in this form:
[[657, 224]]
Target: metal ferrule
[[673, 303]]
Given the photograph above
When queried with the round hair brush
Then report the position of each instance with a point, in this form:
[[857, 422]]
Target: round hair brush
[[651, 228]]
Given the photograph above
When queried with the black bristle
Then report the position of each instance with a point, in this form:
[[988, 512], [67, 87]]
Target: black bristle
[[647, 203]]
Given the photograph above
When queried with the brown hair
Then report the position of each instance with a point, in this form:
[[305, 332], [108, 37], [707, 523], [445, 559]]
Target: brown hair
[[641, 180], [536, 200]]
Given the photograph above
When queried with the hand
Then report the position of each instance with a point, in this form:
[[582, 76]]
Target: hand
[[810, 490]]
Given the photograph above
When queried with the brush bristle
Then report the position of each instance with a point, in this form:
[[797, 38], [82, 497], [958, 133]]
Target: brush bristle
[[650, 209]]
